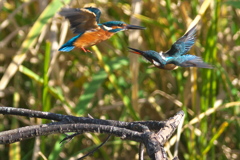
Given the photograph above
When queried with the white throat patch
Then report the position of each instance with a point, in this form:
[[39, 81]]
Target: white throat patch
[[156, 63]]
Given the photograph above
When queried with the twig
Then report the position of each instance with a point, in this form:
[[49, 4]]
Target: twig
[[91, 152], [141, 151]]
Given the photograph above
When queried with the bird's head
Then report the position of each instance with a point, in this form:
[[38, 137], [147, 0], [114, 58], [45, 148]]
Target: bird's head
[[152, 56], [116, 26]]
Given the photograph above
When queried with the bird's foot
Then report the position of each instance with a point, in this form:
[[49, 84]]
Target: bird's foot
[[86, 50]]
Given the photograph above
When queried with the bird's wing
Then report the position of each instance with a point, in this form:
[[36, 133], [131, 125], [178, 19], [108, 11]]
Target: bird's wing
[[96, 11], [189, 61], [82, 19], [183, 44]]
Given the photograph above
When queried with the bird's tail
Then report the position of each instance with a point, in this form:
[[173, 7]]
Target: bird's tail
[[188, 60], [197, 62], [66, 48]]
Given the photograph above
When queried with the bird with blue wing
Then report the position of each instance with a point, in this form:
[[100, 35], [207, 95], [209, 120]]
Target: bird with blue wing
[[85, 22], [176, 55]]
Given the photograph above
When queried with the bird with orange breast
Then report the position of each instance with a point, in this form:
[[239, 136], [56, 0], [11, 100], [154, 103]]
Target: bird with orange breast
[[85, 23]]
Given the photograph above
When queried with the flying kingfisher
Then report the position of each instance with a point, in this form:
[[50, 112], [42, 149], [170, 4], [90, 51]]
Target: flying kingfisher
[[85, 23], [176, 56]]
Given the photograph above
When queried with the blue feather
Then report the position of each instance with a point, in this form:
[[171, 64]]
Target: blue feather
[[113, 23], [96, 11], [189, 61], [183, 44], [184, 58], [68, 46]]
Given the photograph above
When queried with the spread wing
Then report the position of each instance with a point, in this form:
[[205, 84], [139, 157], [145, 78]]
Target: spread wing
[[82, 19], [183, 44]]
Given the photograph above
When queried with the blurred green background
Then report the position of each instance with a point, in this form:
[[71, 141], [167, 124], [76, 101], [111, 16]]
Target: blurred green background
[[112, 83]]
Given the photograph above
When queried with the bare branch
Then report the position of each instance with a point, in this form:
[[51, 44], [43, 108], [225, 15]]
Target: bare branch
[[170, 126], [152, 125], [61, 127], [139, 131]]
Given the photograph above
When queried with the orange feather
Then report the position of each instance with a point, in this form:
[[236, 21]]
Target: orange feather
[[90, 38]]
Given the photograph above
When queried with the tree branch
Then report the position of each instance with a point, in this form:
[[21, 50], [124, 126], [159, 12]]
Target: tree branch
[[139, 131]]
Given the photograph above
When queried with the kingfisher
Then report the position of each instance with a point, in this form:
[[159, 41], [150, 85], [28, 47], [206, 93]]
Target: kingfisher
[[176, 55], [85, 23]]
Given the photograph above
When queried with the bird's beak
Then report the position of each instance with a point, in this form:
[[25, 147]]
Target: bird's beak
[[129, 26], [136, 51]]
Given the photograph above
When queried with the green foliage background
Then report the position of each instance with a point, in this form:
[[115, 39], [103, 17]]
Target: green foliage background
[[100, 83]]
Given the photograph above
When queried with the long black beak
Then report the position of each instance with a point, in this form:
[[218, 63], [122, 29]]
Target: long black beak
[[129, 26], [136, 51]]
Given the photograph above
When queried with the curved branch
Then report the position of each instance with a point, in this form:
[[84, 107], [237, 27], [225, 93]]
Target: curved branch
[[27, 132]]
